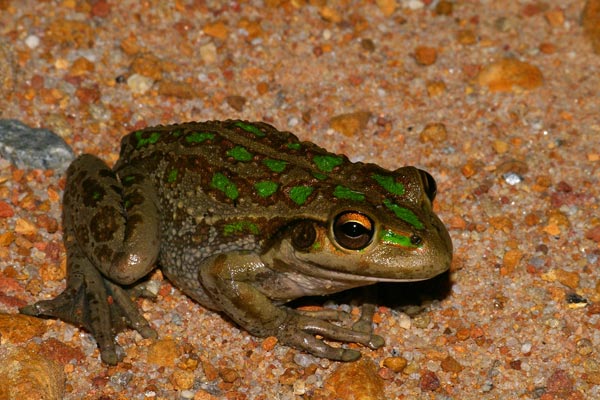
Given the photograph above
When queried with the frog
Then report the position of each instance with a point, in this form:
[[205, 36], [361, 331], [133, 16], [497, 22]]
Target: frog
[[243, 219]]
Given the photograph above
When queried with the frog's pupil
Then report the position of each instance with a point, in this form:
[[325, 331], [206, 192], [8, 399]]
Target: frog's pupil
[[353, 229], [416, 240]]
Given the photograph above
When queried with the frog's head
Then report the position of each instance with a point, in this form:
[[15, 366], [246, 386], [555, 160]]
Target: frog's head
[[389, 233]]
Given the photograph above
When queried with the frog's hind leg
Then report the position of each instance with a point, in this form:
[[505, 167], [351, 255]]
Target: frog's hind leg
[[94, 303], [111, 235]]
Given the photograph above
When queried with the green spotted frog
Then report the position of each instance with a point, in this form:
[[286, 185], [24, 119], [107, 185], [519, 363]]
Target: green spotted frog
[[242, 218]]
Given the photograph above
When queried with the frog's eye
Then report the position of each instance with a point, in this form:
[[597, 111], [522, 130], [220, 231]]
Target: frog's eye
[[303, 235], [428, 184], [353, 230]]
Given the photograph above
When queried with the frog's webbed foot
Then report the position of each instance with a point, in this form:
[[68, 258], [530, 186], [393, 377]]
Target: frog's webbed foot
[[299, 331], [96, 304]]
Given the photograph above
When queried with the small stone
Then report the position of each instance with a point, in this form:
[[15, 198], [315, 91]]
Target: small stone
[[139, 84], [466, 37], [429, 381], [387, 7], [81, 66], [208, 53], [560, 384], [6, 210], [228, 375], [584, 347], [444, 7], [449, 364], [435, 88], [356, 380], [593, 234], [69, 33], [507, 74], [350, 124], [28, 147], [217, 30], [510, 261], [590, 20], [27, 375], [367, 44], [556, 18], [396, 364], [567, 278], [163, 352], [19, 328], [148, 65], [547, 48], [500, 146], [32, 41], [425, 55], [236, 102], [433, 132], [269, 343], [330, 14], [180, 90], [182, 379]]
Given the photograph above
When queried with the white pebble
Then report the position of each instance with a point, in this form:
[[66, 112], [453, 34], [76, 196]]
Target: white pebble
[[32, 41], [139, 84]]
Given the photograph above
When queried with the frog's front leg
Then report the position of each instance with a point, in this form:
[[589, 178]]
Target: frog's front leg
[[111, 233], [232, 281]]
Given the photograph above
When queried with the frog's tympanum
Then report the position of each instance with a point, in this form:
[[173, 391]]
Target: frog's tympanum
[[242, 218]]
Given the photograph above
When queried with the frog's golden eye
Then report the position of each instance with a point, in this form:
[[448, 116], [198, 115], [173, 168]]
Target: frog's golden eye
[[353, 230], [303, 235]]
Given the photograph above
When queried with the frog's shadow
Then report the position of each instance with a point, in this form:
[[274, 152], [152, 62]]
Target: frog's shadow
[[397, 296]]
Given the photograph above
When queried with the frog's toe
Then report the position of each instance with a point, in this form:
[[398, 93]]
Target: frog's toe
[[299, 331]]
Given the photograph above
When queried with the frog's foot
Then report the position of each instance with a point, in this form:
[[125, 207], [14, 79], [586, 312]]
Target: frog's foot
[[99, 306], [299, 331], [365, 322]]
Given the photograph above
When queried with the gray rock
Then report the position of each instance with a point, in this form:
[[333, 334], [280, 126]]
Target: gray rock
[[28, 147]]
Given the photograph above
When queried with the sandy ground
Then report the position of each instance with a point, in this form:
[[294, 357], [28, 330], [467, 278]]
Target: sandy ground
[[497, 100]]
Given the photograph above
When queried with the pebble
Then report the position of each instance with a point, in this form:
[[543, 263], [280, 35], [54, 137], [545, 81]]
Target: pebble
[[217, 30], [139, 84], [509, 74], [28, 147], [208, 53], [590, 20], [163, 352], [32, 41], [425, 55], [350, 124], [387, 7], [27, 375], [433, 132], [396, 364], [356, 380]]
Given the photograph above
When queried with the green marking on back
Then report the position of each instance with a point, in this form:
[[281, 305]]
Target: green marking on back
[[342, 192], [144, 141], [250, 128], [294, 146], [391, 237], [239, 153], [299, 194], [240, 227], [96, 195], [127, 180], [222, 183], [404, 214], [266, 188], [199, 137], [275, 165], [319, 176], [389, 183], [172, 176], [327, 163]]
